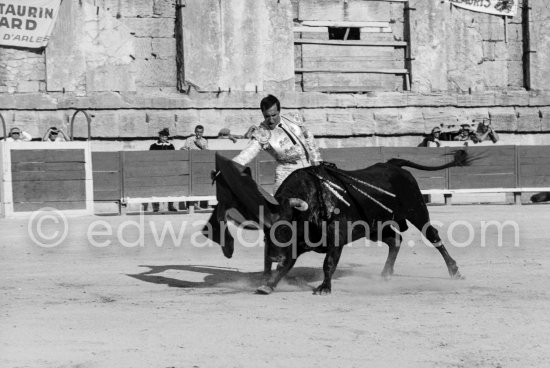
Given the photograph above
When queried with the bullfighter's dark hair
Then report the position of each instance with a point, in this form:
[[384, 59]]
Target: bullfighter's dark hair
[[269, 101], [199, 127]]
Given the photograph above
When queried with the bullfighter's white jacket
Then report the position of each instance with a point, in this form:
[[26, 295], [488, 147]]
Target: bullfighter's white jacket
[[290, 143]]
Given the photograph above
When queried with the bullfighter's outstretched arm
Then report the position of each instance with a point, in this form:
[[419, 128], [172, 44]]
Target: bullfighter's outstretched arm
[[249, 153]]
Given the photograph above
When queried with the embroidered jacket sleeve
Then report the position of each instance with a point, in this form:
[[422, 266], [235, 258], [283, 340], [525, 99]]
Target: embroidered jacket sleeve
[[311, 146], [249, 152]]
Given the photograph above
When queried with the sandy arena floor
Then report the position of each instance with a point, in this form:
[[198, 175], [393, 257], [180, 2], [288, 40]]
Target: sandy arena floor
[[170, 304]]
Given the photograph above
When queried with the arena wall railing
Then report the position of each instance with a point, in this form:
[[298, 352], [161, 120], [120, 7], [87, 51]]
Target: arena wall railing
[[147, 176], [70, 178]]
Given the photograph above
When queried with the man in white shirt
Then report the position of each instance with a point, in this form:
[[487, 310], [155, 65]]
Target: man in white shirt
[[17, 135], [55, 135], [197, 141]]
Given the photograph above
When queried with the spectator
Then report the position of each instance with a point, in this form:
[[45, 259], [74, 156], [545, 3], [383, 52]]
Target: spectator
[[465, 134], [17, 135], [486, 132], [162, 145], [432, 140], [226, 133], [196, 141], [55, 135]]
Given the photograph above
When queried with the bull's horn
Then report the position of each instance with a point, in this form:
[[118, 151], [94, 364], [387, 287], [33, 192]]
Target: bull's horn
[[299, 204]]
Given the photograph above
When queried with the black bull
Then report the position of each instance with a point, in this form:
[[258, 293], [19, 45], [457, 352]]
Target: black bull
[[322, 209]]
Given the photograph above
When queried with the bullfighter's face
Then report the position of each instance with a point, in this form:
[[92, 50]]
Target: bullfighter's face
[[272, 117]]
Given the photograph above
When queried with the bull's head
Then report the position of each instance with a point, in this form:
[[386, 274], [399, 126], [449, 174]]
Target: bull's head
[[229, 208], [287, 232], [240, 200]]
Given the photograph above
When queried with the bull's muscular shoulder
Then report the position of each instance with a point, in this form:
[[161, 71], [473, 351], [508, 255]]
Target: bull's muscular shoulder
[[261, 134]]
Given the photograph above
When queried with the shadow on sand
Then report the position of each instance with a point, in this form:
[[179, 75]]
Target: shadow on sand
[[221, 277]]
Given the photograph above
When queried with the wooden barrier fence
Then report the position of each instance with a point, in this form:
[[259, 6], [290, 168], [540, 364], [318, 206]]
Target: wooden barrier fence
[[181, 175], [38, 175]]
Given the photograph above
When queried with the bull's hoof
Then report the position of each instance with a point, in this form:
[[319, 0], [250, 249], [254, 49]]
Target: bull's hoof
[[387, 274], [457, 275], [264, 290], [322, 290]]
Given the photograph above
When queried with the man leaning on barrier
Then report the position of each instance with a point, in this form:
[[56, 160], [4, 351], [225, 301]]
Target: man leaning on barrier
[[162, 144], [17, 135]]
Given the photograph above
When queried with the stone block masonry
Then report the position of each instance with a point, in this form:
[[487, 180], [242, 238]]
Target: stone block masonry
[[117, 60]]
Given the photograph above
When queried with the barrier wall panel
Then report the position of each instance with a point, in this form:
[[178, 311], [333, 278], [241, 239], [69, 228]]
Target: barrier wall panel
[[265, 175], [47, 175], [497, 169], [167, 173], [61, 206], [106, 161], [534, 166], [161, 181], [202, 163], [37, 175], [42, 155], [52, 191], [107, 176], [48, 178], [47, 166], [152, 169], [352, 158], [533, 151], [156, 156], [493, 167], [423, 156], [535, 161], [107, 186], [527, 171], [420, 155], [201, 172], [157, 191], [536, 181], [209, 155], [205, 189], [266, 172], [155, 173]]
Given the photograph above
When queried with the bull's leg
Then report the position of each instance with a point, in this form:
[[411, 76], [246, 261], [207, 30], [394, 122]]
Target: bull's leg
[[329, 266], [282, 270], [267, 261], [433, 236], [393, 240]]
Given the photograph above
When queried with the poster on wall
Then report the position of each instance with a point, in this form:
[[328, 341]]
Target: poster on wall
[[508, 8], [27, 23]]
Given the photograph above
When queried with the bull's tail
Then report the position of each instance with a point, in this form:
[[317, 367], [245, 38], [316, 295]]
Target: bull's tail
[[461, 158]]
